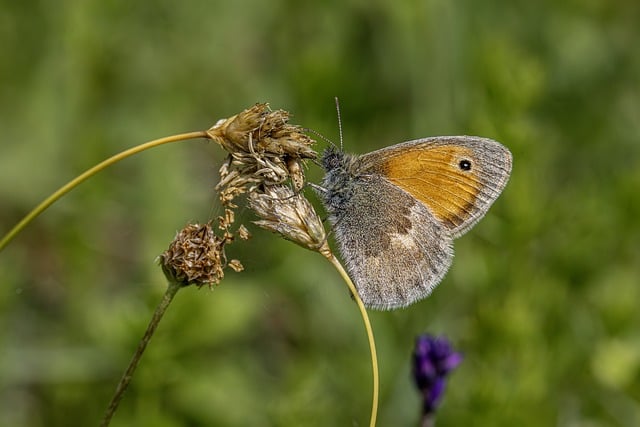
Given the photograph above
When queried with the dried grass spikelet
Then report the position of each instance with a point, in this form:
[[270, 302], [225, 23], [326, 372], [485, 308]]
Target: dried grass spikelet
[[289, 214]]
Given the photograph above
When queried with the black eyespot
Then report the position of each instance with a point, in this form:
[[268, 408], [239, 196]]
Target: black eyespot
[[465, 165]]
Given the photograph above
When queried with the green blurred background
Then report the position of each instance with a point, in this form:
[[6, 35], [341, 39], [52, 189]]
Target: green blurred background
[[542, 296]]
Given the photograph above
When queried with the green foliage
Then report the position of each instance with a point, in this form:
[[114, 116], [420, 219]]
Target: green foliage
[[542, 296]]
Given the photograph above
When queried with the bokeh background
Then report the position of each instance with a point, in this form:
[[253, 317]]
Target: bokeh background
[[543, 295]]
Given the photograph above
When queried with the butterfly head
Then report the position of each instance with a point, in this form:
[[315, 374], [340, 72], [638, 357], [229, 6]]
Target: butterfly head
[[333, 159]]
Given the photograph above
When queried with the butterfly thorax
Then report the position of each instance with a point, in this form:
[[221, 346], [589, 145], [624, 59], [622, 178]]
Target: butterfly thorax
[[338, 182]]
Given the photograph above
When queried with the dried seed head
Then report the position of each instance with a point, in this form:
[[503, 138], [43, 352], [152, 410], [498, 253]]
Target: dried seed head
[[266, 152], [260, 130], [197, 255], [289, 214], [264, 149]]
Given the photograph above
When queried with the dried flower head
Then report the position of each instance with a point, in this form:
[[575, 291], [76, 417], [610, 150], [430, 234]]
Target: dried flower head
[[264, 152], [433, 360], [289, 214], [197, 256], [264, 149]]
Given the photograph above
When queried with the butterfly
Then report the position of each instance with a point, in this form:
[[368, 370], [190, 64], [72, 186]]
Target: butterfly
[[395, 211]]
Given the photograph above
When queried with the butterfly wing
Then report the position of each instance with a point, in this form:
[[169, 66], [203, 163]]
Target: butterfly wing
[[394, 249], [457, 178]]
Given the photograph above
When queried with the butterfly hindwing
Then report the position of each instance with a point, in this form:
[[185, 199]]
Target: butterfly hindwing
[[392, 246]]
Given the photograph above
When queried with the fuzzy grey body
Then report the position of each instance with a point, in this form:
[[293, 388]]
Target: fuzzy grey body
[[394, 248]]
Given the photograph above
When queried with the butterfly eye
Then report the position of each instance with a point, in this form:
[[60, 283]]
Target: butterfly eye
[[465, 165], [332, 159], [333, 162]]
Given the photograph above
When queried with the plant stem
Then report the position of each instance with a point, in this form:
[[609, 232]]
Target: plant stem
[[367, 326], [171, 291], [88, 174], [428, 420]]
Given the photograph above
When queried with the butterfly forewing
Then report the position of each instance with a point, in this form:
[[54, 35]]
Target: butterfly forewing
[[456, 178]]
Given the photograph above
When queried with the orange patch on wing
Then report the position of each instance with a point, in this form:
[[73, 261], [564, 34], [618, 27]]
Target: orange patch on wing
[[433, 175]]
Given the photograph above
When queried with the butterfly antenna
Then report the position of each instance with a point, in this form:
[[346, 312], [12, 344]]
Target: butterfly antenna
[[319, 135], [339, 122]]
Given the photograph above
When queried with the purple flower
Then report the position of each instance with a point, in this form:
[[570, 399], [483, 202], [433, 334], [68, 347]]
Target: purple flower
[[433, 359]]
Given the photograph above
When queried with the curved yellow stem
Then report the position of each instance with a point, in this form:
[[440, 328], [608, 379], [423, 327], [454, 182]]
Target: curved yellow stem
[[88, 174], [367, 325]]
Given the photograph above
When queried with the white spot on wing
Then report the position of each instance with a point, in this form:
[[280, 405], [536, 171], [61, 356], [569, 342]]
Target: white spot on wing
[[405, 241]]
